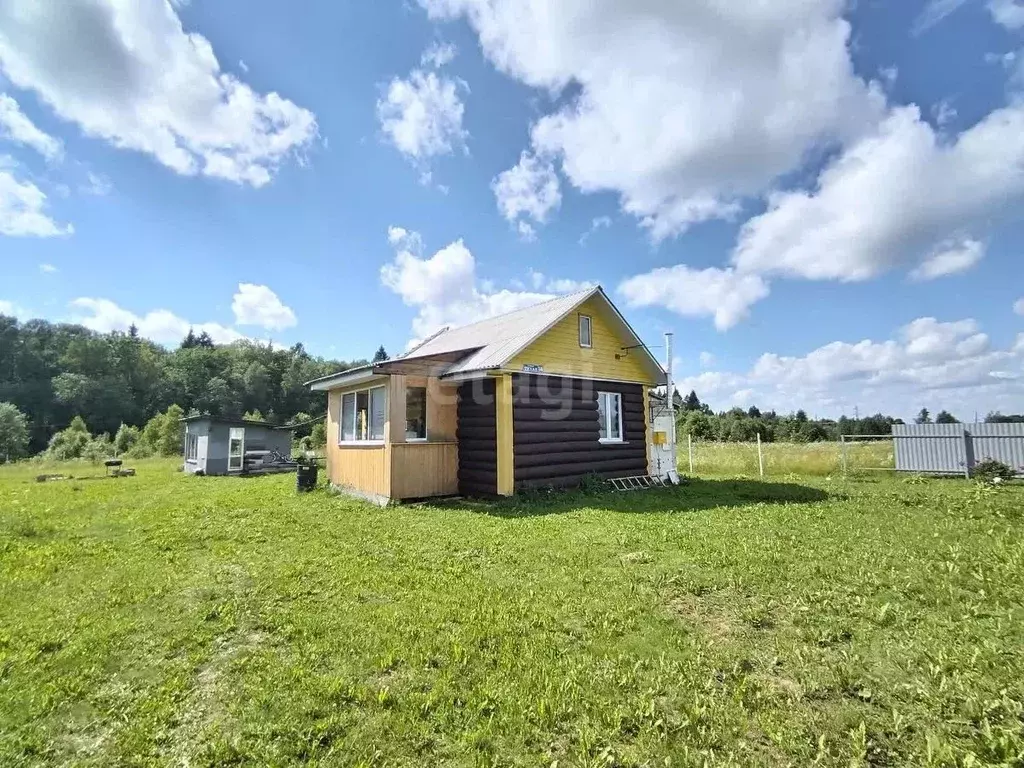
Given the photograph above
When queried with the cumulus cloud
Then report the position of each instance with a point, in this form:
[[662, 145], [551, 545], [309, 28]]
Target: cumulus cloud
[[48, 269], [422, 115], [1018, 306], [23, 210], [444, 288], [679, 108], [15, 126], [889, 200], [258, 305], [1007, 13], [724, 294], [943, 364], [128, 73], [159, 325], [950, 258], [527, 192]]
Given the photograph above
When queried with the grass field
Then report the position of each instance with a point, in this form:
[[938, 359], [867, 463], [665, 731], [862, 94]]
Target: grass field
[[172, 620], [780, 459]]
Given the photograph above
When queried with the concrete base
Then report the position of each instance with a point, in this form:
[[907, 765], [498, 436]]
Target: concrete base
[[355, 493]]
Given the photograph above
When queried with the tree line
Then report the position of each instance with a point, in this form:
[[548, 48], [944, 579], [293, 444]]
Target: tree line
[[699, 421], [117, 382]]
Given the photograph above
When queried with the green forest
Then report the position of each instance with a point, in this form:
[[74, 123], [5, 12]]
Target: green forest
[[70, 392], [51, 373]]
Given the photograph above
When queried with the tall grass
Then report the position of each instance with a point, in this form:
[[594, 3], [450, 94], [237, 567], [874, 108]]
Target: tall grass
[[781, 459]]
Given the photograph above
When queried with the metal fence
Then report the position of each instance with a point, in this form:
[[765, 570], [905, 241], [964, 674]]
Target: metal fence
[[949, 449]]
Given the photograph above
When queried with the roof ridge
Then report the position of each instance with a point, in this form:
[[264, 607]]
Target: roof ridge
[[560, 297]]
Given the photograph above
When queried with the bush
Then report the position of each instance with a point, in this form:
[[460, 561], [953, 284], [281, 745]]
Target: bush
[[69, 443], [162, 435], [991, 470], [126, 438], [13, 432]]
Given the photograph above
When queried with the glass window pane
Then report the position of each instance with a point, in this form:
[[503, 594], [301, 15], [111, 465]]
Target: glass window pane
[[348, 424], [585, 331], [236, 440], [362, 415], [378, 413], [416, 413], [602, 417], [615, 426]]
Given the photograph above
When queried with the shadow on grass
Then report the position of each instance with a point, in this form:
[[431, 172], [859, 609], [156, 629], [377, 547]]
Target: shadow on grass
[[696, 494]]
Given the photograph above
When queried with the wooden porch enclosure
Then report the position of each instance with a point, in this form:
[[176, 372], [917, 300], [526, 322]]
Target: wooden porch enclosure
[[399, 466]]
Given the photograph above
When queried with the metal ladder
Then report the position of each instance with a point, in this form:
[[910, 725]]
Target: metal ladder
[[636, 483]]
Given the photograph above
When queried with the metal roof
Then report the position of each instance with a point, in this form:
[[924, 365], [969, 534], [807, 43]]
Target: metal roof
[[491, 343]]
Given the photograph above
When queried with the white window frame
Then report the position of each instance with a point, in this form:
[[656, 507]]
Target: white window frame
[[357, 441], [608, 420], [240, 432], [590, 331], [191, 447], [426, 417]]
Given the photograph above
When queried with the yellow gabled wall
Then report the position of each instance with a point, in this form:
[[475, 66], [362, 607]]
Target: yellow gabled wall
[[559, 352]]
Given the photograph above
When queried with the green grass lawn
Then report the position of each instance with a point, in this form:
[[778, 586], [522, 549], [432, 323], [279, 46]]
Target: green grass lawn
[[166, 619]]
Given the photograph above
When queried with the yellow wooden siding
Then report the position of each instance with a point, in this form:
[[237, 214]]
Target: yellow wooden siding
[[506, 459], [558, 350], [420, 470], [363, 468]]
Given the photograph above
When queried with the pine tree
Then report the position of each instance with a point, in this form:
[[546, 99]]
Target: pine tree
[[381, 355]]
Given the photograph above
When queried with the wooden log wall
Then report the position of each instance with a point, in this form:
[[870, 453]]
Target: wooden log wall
[[557, 435], [477, 436]]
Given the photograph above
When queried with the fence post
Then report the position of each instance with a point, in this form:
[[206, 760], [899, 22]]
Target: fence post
[[760, 456], [968, 454], [842, 442], [689, 449]]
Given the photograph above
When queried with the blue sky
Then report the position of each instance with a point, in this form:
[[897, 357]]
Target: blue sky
[[821, 199]]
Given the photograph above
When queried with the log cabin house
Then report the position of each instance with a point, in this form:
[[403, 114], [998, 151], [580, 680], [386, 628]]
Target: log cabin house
[[542, 396]]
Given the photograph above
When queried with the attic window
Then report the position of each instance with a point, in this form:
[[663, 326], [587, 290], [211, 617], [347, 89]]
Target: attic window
[[586, 331]]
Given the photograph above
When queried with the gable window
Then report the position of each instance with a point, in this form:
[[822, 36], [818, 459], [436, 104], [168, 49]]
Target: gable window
[[416, 413], [609, 414], [363, 415], [586, 331], [191, 447]]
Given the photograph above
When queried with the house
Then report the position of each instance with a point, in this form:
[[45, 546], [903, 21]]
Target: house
[[542, 396], [216, 446]]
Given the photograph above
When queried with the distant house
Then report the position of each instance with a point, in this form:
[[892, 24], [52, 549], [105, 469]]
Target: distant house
[[543, 396], [216, 446]]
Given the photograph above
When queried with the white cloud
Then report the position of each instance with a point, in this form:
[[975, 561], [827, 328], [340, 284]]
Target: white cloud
[[950, 258], [889, 75], [889, 200], [160, 325], [48, 269], [260, 306], [1018, 306], [944, 113], [128, 73], [706, 359], [98, 185], [444, 288], [438, 55], [23, 210], [561, 286], [527, 191], [11, 309], [1007, 13], [933, 13], [15, 126], [933, 363], [422, 115], [724, 294], [599, 222], [243, 66], [679, 108]]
